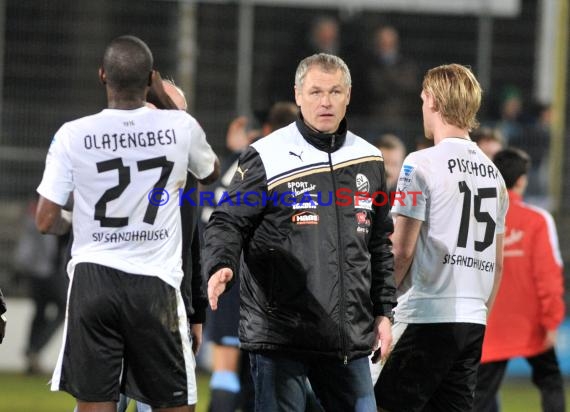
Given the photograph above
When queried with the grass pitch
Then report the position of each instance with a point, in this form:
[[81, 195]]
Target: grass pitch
[[21, 393]]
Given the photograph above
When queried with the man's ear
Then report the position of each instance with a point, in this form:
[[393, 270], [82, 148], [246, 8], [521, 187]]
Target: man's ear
[[102, 76], [297, 96], [150, 78]]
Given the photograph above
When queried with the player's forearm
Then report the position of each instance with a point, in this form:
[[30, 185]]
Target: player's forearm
[[212, 177], [404, 239], [402, 263], [403, 257], [495, 290], [55, 222], [499, 240], [62, 224]]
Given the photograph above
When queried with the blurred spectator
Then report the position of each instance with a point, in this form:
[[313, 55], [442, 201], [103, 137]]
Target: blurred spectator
[[529, 307], [423, 142], [489, 140], [393, 152], [393, 82], [40, 260], [323, 35], [510, 113], [535, 140]]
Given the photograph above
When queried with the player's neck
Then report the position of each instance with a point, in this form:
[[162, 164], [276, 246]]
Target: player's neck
[[125, 104], [446, 131], [122, 102]]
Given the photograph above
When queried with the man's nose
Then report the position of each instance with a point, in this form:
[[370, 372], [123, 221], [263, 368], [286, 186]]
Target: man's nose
[[326, 99]]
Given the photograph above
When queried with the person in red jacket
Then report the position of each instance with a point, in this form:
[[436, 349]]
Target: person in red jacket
[[529, 307]]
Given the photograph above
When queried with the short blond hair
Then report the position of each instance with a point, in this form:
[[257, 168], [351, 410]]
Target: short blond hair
[[327, 62], [456, 94]]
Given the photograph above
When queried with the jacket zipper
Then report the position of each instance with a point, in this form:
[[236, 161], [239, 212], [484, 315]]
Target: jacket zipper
[[340, 266], [271, 298]]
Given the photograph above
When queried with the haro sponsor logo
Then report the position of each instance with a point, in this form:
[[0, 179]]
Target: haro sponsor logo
[[362, 218], [305, 218], [363, 222]]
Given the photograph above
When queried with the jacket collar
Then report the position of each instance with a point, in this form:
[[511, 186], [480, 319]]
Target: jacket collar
[[326, 142]]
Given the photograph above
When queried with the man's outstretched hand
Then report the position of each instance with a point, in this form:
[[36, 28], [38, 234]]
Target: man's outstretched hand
[[217, 285]]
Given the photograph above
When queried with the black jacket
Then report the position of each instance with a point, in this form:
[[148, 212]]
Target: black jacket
[[192, 287], [2, 304], [315, 273]]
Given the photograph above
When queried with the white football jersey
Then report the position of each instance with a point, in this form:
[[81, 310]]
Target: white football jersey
[[462, 200], [125, 169]]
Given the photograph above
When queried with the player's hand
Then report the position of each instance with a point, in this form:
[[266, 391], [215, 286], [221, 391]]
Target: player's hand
[[383, 328], [236, 137], [196, 333], [217, 285], [550, 339], [157, 95]]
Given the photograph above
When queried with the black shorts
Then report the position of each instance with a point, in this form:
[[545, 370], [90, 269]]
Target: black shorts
[[223, 323], [433, 367], [125, 333]]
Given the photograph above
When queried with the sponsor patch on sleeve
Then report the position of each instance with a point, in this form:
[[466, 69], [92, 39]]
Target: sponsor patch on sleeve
[[406, 176]]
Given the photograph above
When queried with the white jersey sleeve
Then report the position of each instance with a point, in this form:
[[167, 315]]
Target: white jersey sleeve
[[413, 190], [57, 182], [201, 158]]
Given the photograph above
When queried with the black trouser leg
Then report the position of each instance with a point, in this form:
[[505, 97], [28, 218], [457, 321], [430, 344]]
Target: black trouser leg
[[548, 379], [489, 378]]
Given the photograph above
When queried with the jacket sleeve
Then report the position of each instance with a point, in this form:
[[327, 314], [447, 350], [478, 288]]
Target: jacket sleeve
[[197, 291], [547, 270], [383, 289], [236, 216], [192, 287]]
